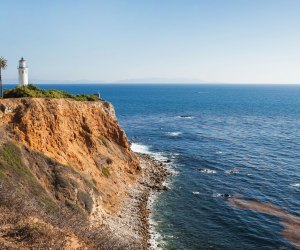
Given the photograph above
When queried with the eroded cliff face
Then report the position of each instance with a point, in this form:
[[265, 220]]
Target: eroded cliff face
[[82, 135], [65, 168]]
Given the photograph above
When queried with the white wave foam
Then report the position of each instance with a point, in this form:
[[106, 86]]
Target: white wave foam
[[207, 171], [159, 156], [217, 195], [173, 133], [233, 171], [174, 155], [185, 117], [140, 148], [156, 240], [143, 149], [196, 193], [155, 237], [296, 185]]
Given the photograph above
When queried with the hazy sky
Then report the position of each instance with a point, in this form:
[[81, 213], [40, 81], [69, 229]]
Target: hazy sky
[[211, 40]]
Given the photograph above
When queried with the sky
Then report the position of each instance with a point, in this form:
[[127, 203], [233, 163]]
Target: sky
[[211, 41]]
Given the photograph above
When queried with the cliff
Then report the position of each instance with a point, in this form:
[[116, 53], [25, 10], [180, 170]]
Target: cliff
[[65, 169]]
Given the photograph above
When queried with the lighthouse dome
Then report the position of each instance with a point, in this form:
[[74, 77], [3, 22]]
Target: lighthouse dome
[[22, 63]]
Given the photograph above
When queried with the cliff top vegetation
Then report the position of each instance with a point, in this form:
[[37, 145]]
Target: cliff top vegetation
[[33, 91]]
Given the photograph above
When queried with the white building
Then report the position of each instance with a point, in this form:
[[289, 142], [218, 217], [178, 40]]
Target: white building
[[23, 72]]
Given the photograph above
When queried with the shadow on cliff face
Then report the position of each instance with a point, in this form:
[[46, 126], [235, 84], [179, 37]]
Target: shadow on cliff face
[[290, 222]]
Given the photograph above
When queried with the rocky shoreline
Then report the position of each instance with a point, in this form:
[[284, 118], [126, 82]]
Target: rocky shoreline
[[154, 176], [132, 221]]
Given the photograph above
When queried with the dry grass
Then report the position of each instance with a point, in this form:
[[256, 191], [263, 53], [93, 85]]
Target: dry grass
[[48, 231], [30, 218]]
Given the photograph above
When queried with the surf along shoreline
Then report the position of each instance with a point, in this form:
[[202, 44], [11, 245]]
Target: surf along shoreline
[[132, 222], [154, 176]]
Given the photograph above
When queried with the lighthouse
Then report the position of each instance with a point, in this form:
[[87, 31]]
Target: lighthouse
[[23, 72]]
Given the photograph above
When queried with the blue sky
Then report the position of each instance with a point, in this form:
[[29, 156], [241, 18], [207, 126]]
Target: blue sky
[[234, 41]]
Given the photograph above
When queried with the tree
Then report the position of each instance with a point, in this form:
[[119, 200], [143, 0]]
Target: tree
[[3, 65]]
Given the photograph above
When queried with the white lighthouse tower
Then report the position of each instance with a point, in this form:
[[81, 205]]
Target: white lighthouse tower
[[23, 72]]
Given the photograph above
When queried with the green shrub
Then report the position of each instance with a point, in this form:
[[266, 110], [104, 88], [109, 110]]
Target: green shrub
[[74, 207], [35, 92], [12, 166], [61, 181], [28, 231], [105, 172], [85, 200], [94, 181], [103, 140]]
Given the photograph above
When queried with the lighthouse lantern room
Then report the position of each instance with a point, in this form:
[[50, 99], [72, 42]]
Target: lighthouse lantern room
[[23, 72]]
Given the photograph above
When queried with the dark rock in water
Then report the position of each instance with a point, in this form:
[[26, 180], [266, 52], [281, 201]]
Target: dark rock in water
[[226, 195], [233, 171], [207, 171], [167, 161], [160, 188]]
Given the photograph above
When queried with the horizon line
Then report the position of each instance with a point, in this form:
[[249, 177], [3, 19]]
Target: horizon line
[[160, 83]]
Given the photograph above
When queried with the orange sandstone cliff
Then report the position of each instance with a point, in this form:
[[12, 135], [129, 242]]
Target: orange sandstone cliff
[[65, 167]]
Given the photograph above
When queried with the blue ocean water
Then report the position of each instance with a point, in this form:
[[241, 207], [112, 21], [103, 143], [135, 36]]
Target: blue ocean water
[[248, 135]]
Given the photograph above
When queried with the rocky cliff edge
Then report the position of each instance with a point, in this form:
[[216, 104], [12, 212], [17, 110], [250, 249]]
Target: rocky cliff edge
[[65, 166]]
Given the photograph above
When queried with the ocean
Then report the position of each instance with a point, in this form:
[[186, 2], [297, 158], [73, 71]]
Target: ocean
[[238, 140]]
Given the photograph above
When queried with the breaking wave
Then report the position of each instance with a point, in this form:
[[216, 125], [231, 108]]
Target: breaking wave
[[296, 185], [185, 117], [207, 171], [143, 149], [174, 133]]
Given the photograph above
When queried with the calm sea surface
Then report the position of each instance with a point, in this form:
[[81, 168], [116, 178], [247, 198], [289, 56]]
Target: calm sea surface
[[247, 137]]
